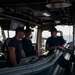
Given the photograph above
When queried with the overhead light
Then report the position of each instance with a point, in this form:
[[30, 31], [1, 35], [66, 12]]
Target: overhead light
[[46, 14], [58, 3], [57, 22]]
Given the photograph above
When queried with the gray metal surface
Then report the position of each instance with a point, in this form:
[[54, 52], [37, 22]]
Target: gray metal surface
[[30, 68]]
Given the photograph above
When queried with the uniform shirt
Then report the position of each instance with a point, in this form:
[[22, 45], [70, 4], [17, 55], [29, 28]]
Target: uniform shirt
[[18, 51], [27, 47], [58, 41]]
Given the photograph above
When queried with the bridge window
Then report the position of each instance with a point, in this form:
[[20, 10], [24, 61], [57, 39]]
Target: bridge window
[[34, 35], [67, 32], [9, 34], [1, 36]]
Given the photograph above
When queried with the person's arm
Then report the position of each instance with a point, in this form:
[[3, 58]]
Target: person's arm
[[61, 47], [50, 48], [23, 54], [12, 55], [62, 43]]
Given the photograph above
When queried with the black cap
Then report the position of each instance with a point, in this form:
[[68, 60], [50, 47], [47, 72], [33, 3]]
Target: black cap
[[53, 29], [19, 29], [28, 30]]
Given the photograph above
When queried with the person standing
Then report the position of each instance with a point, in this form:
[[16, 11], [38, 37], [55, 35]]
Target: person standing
[[27, 44], [54, 42], [15, 51]]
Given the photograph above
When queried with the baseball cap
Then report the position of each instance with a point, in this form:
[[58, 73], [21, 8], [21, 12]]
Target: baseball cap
[[19, 29], [53, 29]]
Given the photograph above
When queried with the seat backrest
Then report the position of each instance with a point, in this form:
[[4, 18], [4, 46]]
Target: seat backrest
[[5, 45], [7, 41]]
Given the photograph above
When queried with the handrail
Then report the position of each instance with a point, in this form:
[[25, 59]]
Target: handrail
[[44, 66], [28, 69]]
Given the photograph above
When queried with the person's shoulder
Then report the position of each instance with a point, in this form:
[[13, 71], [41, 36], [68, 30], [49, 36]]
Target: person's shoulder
[[13, 40], [24, 39], [61, 38], [48, 38]]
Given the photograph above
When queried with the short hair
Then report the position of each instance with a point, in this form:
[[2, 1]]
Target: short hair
[[28, 30], [19, 29]]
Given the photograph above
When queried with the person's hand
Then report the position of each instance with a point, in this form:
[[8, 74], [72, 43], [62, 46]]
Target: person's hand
[[59, 47], [55, 47]]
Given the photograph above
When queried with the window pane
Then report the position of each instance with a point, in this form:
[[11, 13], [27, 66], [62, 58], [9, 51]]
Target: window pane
[[34, 35], [11, 34], [67, 32]]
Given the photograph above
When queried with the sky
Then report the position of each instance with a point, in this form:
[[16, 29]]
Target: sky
[[67, 30]]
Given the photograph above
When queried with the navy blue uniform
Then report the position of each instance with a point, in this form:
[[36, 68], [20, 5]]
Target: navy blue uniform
[[18, 51], [58, 41], [27, 47]]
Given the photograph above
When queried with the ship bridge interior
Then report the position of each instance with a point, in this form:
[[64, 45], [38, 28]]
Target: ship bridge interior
[[32, 13]]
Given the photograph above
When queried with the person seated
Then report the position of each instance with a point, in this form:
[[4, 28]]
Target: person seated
[[27, 44], [15, 51]]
